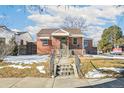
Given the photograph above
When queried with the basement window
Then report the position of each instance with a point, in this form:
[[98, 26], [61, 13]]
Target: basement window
[[45, 41], [74, 40]]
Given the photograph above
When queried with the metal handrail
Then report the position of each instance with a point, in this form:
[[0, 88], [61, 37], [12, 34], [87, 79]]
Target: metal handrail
[[78, 66], [95, 66], [52, 59]]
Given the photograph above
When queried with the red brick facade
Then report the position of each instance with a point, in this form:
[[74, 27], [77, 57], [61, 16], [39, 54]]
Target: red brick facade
[[43, 49], [55, 41], [75, 46]]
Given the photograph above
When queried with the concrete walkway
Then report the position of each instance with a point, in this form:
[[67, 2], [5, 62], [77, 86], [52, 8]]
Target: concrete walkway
[[29, 82]]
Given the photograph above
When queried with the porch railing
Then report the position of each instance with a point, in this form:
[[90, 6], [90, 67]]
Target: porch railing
[[78, 65], [52, 59]]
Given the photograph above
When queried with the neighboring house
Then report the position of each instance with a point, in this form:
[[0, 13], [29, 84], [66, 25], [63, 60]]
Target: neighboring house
[[88, 46], [6, 41], [63, 41], [23, 37], [6, 35], [25, 43]]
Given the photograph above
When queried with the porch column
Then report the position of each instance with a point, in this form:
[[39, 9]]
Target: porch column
[[68, 47]]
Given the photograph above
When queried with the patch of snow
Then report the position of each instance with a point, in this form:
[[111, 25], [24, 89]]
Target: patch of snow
[[118, 70], [26, 59], [3, 67], [109, 56], [41, 69], [95, 74], [16, 66], [19, 66]]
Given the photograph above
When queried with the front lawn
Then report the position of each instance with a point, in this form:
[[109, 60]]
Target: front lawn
[[100, 65], [25, 66], [27, 70]]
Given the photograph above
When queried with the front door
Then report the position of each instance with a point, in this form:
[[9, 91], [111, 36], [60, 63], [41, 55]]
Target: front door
[[63, 46]]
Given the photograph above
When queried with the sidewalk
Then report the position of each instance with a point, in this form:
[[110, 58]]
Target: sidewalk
[[29, 82]]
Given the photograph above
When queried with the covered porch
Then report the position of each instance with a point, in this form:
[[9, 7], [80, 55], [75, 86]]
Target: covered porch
[[60, 42]]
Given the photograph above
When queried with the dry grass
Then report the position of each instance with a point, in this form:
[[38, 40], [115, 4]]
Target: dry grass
[[15, 72], [99, 62], [27, 72], [4, 64]]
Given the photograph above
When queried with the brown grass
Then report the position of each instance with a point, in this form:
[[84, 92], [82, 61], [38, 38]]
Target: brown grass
[[27, 72], [15, 72], [4, 64], [99, 62]]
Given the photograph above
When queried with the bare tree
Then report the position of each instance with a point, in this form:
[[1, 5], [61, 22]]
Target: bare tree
[[75, 22], [6, 48]]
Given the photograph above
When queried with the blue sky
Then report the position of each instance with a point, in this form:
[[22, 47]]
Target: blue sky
[[25, 18], [16, 17]]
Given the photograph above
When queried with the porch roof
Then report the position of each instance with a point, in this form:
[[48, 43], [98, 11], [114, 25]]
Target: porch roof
[[60, 32]]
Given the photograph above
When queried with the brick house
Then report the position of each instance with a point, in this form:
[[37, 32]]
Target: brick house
[[63, 41]]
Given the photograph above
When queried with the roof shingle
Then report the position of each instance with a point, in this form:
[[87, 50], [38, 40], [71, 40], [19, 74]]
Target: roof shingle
[[48, 32]]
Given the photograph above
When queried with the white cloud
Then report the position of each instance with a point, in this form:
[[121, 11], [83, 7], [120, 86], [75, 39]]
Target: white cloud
[[45, 19], [33, 29], [94, 33], [91, 13], [2, 16], [18, 10], [16, 30]]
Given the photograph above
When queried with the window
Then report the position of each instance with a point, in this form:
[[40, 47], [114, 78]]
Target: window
[[74, 40], [63, 40], [2, 40], [85, 43], [22, 42], [45, 41]]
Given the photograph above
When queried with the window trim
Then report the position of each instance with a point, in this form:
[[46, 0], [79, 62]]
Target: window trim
[[73, 41], [43, 42]]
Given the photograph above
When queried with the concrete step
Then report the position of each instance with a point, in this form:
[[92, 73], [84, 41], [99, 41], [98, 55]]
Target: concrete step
[[65, 73], [65, 70], [64, 67]]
